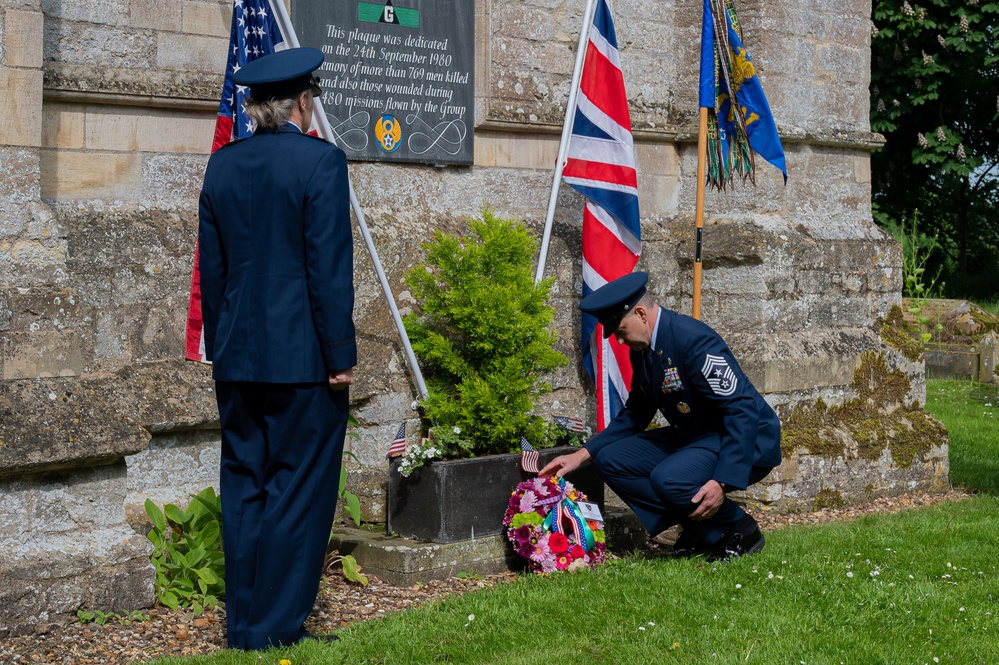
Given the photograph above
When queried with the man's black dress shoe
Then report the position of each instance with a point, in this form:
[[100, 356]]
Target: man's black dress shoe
[[322, 637], [744, 537], [689, 545]]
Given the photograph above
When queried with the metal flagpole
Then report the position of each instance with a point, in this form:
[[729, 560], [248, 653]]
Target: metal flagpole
[[563, 146], [702, 165], [288, 31]]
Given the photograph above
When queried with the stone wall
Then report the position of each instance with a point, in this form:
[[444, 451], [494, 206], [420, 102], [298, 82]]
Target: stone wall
[[107, 122]]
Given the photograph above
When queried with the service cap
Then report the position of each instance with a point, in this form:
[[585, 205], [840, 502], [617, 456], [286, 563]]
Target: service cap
[[614, 299], [279, 75]]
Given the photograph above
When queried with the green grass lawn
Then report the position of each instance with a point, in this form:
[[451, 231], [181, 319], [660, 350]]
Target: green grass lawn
[[990, 306], [915, 587], [971, 413], [902, 588]]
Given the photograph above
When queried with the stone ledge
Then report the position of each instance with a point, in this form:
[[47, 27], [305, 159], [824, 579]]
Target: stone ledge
[[404, 562], [131, 87], [43, 421]]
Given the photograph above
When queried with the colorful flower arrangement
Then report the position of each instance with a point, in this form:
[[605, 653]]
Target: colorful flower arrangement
[[546, 527]]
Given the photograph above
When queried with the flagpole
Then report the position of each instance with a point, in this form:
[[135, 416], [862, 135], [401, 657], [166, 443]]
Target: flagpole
[[563, 146], [702, 161], [288, 32]]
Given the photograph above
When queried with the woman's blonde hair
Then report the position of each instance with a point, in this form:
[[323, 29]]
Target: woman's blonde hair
[[270, 114]]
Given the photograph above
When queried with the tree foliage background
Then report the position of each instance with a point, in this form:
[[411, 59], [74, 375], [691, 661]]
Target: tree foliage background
[[935, 98]]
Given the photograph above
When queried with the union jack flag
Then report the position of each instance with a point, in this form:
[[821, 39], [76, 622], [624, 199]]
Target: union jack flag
[[601, 167], [398, 445], [253, 33], [528, 456]]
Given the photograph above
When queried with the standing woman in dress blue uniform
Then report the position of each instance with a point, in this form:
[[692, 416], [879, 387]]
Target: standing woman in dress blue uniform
[[276, 259], [722, 435]]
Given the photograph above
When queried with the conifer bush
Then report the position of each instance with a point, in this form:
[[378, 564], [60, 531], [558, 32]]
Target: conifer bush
[[483, 337]]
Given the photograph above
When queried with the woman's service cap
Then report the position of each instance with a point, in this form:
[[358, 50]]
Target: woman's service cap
[[614, 299], [279, 75]]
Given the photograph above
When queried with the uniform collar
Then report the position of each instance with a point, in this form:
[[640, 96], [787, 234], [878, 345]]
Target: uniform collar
[[655, 328], [287, 128]]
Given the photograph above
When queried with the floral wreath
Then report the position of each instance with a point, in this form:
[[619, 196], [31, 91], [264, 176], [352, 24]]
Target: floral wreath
[[546, 527]]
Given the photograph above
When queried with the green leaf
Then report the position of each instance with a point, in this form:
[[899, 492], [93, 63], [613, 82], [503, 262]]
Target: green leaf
[[155, 515], [208, 576], [175, 514], [351, 570], [353, 507], [194, 557], [209, 535], [178, 558], [168, 599]]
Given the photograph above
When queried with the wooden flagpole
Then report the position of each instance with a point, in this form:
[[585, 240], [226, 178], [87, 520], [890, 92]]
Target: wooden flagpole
[[563, 146], [702, 165], [288, 31]]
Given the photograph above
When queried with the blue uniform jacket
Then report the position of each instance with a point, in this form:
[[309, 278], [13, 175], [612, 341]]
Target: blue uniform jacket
[[699, 388], [276, 260]]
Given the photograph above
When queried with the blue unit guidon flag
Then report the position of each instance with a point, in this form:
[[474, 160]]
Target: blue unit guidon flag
[[735, 131], [254, 33], [601, 167]]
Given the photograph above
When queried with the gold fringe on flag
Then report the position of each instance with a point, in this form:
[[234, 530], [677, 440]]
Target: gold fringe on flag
[[727, 159]]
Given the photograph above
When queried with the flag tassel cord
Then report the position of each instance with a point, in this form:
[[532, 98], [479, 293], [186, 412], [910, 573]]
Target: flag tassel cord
[[563, 146], [702, 160], [288, 32]]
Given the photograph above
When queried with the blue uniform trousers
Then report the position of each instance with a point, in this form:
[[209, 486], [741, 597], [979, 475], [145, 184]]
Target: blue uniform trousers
[[658, 475], [281, 451]]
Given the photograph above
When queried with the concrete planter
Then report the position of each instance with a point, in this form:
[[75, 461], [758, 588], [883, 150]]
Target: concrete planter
[[454, 500]]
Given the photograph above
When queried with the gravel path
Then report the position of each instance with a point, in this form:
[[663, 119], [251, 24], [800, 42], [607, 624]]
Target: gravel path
[[168, 633]]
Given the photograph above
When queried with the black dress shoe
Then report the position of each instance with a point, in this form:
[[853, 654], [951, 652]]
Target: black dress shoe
[[743, 538], [322, 637], [689, 545]]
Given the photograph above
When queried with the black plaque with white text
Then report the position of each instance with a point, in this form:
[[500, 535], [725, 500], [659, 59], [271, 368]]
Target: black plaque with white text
[[398, 77]]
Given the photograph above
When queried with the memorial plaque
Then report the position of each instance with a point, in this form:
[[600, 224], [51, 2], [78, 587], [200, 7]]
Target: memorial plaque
[[398, 77]]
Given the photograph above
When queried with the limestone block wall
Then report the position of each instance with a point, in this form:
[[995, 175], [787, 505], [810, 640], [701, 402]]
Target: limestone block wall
[[103, 141]]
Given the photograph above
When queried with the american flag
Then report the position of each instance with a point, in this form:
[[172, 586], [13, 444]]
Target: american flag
[[601, 167], [254, 33], [575, 425], [398, 446], [528, 456]]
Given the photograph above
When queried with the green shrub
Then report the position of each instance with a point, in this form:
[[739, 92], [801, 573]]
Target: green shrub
[[483, 337], [187, 552]]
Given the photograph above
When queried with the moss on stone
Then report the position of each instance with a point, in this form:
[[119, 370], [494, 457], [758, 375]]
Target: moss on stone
[[829, 499], [894, 331], [862, 427]]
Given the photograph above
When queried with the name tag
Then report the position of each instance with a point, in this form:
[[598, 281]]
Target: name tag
[[590, 511]]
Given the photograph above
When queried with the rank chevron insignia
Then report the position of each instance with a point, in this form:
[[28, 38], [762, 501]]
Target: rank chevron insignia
[[719, 375]]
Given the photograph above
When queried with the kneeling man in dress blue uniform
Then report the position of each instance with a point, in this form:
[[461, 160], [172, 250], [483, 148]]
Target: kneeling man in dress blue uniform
[[276, 259], [722, 435]]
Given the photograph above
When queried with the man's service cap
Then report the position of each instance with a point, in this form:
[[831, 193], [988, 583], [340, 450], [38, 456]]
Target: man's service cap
[[614, 299], [279, 75]]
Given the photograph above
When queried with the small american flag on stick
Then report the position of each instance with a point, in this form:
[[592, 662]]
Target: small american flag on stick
[[528, 456], [398, 446], [575, 425]]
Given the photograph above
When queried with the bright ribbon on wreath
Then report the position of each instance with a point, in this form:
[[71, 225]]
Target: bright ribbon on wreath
[[567, 510]]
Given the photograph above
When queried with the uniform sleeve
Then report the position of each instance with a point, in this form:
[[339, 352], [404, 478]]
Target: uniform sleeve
[[636, 415], [329, 260], [211, 270], [717, 377]]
